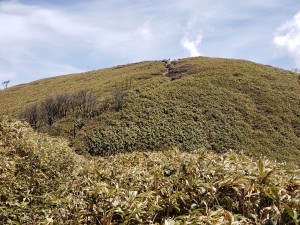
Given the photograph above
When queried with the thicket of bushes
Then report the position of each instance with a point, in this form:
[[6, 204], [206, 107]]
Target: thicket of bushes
[[34, 170], [75, 107], [51, 109], [191, 113], [42, 181], [154, 123]]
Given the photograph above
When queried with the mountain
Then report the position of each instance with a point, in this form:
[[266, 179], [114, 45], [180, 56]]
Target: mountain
[[192, 103]]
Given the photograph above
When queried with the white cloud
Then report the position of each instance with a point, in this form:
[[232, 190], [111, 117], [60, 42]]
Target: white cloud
[[192, 36], [192, 45], [45, 38], [288, 37], [30, 38], [38, 39]]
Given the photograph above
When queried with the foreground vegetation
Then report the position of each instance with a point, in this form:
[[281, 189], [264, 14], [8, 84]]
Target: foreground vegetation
[[42, 181]]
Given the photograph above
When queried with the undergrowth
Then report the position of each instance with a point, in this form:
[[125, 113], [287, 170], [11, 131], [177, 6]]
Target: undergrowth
[[42, 181]]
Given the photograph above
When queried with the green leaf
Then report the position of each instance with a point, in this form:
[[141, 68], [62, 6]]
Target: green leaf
[[290, 213], [269, 195], [261, 168], [288, 210], [275, 193]]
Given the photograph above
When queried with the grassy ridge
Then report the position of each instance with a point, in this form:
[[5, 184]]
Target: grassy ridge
[[100, 82], [218, 104], [43, 182]]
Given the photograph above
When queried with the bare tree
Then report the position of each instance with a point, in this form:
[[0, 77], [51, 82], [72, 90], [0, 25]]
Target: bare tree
[[5, 83], [119, 97], [49, 110], [31, 115], [91, 102], [63, 102], [83, 102], [104, 105], [77, 125], [78, 101]]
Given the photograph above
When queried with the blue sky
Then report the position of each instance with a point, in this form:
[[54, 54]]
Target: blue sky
[[48, 38]]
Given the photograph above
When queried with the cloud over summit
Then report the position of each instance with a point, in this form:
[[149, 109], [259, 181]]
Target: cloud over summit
[[192, 45]]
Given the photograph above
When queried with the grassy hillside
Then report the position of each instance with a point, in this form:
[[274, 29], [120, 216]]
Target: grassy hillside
[[42, 181], [218, 104], [100, 82]]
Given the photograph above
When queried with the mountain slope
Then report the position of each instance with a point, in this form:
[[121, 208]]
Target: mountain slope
[[219, 104], [100, 82]]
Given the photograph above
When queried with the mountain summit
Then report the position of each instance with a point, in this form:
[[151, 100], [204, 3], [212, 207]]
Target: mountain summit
[[192, 103]]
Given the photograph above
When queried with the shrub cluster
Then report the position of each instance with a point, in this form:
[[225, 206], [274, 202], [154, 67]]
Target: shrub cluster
[[78, 107], [81, 103], [43, 182], [33, 168]]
